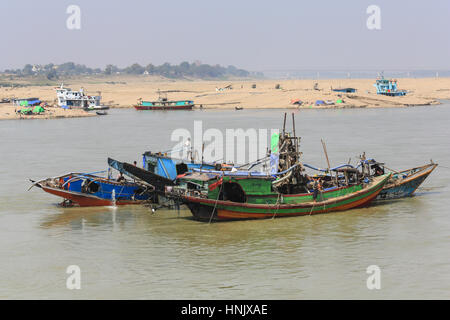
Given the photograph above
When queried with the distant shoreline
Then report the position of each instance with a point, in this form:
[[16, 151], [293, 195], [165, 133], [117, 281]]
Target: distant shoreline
[[124, 92]]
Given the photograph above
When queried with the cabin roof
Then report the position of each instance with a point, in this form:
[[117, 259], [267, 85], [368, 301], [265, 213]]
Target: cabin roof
[[200, 176]]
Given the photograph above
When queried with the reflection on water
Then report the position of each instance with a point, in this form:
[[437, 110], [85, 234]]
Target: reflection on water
[[130, 252]]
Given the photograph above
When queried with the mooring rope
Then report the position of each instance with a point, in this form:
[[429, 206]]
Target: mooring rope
[[277, 204], [215, 204]]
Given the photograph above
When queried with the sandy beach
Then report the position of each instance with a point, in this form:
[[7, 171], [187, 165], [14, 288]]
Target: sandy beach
[[8, 112], [124, 92]]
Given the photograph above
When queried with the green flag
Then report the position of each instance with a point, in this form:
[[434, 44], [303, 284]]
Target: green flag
[[274, 142]]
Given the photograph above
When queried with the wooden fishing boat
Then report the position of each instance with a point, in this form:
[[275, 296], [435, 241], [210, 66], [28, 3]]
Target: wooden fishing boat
[[285, 191], [157, 181], [163, 104], [401, 184], [85, 190], [160, 171], [405, 183], [235, 198]]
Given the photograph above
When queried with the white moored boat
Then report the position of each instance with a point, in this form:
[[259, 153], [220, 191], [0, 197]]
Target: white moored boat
[[78, 99]]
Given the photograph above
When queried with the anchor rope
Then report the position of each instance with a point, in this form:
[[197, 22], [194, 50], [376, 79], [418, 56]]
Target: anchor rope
[[215, 204], [276, 204]]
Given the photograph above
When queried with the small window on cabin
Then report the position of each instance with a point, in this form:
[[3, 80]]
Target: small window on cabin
[[150, 167]]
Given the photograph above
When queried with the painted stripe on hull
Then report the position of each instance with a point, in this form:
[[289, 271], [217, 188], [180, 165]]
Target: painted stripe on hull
[[183, 107], [84, 200], [406, 188], [226, 210]]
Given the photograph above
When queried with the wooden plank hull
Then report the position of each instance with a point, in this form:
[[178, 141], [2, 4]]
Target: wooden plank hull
[[407, 186], [180, 107], [209, 209], [86, 200]]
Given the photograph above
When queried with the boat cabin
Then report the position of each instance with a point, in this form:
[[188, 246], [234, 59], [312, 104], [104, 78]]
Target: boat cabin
[[388, 87], [69, 99], [164, 165]]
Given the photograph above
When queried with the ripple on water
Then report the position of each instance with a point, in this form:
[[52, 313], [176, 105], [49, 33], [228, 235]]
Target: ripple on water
[[127, 252]]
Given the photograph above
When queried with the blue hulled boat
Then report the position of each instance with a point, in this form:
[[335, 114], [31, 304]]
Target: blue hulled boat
[[85, 190], [401, 184], [405, 183]]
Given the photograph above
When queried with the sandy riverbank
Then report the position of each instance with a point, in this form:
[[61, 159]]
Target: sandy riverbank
[[123, 92], [8, 112]]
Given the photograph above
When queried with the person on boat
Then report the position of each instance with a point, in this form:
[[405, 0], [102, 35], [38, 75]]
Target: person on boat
[[378, 171], [135, 163], [120, 178], [317, 188]]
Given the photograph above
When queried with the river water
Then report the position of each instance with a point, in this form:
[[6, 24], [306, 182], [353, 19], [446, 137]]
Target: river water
[[129, 253]]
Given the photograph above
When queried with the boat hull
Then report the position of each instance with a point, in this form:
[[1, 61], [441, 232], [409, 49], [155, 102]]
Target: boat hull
[[87, 190], [85, 200], [217, 210], [407, 186], [180, 107]]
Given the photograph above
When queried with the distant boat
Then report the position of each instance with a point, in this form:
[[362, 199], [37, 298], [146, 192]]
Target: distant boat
[[101, 113], [346, 90], [239, 108], [388, 87], [163, 104], [94, 108], [69, 99]]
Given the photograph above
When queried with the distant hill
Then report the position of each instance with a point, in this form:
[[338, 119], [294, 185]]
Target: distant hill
[[183, 70]]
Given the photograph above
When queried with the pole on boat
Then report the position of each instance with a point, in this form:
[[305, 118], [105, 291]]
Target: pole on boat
[[326, 154], [295, 136], [392, 169], [328, 161], [203, 149], [284, 123]]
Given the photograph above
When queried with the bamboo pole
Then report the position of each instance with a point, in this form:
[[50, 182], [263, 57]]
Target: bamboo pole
[[328, 161], [295, 136]]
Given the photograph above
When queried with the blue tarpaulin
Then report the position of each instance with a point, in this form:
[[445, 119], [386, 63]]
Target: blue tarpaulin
[[33, 102]]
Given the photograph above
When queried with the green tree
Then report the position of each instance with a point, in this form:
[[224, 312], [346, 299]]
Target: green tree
[[27, 70], [52, 75], [110, 69], [135, 69]]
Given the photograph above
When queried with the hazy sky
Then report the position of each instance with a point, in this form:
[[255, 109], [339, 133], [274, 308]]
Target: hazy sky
[[255, 35]]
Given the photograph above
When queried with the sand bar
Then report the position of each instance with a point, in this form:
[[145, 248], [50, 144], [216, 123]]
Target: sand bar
[[124, 91]]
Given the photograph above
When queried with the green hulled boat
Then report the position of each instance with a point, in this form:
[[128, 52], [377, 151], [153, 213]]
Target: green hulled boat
[[164, 104], [284, 191], [225, 197]]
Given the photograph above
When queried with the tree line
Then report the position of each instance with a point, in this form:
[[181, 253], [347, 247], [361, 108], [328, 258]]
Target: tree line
[[183, 70]]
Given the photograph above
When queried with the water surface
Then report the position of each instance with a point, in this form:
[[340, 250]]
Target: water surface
[[128, 252]]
